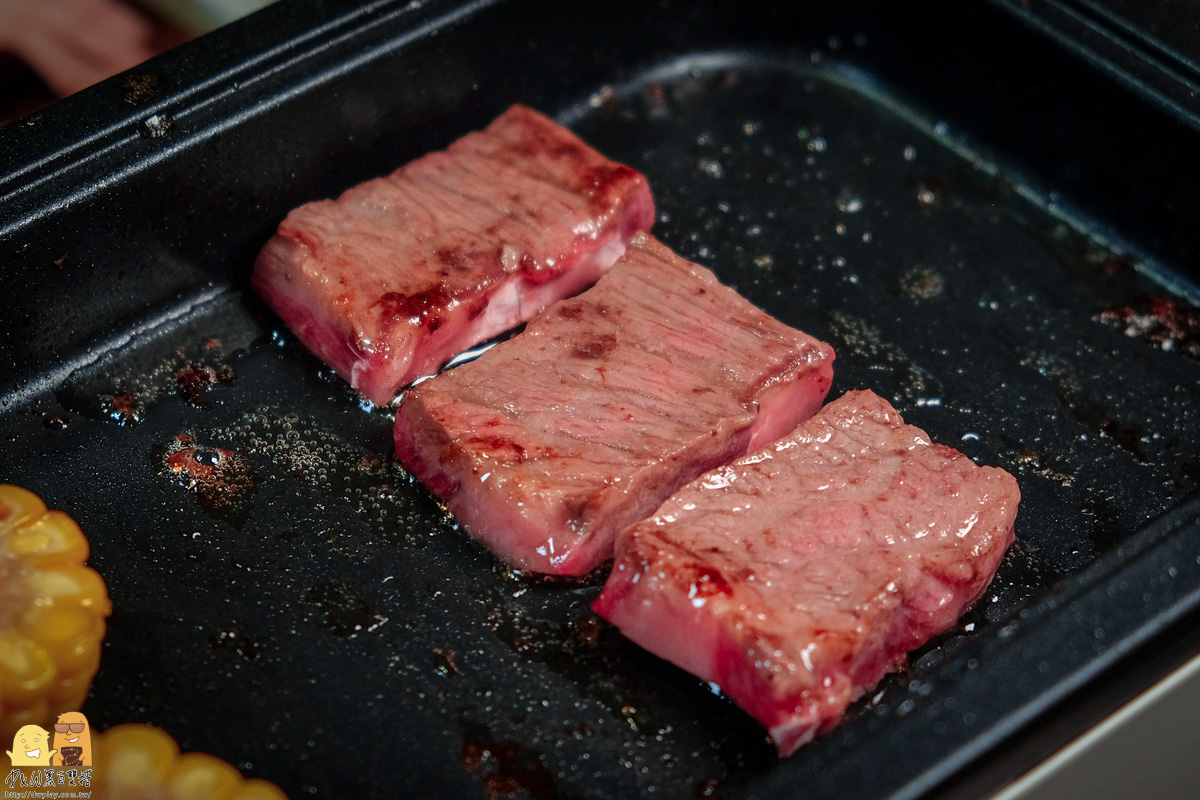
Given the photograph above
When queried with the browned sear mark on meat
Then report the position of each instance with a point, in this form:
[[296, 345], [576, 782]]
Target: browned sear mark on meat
[[422, 306], [597, 181], [596, 347], [499, 446]]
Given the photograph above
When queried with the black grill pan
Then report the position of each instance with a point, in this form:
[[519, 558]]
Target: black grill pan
[[991, 231]]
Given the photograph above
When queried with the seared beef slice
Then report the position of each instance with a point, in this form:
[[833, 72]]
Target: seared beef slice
[[553, 441], [401, 273], [798, 576]]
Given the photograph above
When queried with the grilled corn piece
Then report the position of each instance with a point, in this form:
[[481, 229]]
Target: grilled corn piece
[[141, 762], [52, 611]]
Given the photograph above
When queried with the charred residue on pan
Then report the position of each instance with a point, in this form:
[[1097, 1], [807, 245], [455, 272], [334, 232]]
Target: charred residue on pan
[[506, 768], [138, 88], [223, 480], [1170, 324], [338, 608], [124, 408], [194, 381], [1038, 463], [123, 390]]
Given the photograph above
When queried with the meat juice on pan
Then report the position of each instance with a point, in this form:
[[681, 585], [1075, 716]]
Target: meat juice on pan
[[401, 273], [553, 441], [797, 576]]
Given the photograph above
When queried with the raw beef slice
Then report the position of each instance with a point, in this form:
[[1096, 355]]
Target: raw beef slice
[[554, 440], [401, 273], [796, 577]]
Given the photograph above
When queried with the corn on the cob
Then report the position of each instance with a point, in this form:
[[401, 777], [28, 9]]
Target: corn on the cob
[[141, 762], [52, 611]]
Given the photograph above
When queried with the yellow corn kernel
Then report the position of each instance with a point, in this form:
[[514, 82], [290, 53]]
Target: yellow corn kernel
[[140, 762], [26, 670], [54, 539], [52, 612], [131, 761]]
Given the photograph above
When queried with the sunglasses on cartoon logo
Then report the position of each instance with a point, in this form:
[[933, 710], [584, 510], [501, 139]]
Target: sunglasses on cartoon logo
[[73, 727]]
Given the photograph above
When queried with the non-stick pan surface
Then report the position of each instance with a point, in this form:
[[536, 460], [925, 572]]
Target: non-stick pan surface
[[300, 606]]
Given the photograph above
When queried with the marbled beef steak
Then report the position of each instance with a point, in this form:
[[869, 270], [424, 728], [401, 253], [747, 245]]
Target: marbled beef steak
[[553, 441], [796, 577], [401, 273]]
